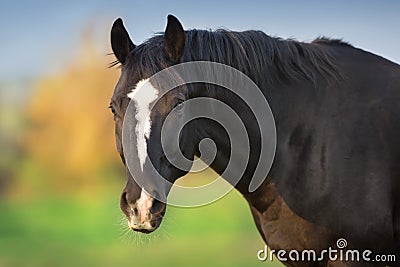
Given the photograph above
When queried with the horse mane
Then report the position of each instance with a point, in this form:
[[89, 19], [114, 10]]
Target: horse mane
[[254, 53], [330, 41]]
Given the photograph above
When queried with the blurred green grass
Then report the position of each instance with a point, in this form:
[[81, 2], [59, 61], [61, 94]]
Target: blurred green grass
[[74, 231]]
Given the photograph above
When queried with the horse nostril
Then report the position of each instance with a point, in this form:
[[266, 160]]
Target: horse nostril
[[135, 211], [157, 207], [124, 203], [127, 207]]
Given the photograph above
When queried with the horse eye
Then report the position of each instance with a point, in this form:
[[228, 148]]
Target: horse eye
[[112, 110], [178, 106]]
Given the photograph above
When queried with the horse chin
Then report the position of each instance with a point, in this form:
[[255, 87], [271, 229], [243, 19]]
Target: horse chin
[[148, 226], [144, 231]]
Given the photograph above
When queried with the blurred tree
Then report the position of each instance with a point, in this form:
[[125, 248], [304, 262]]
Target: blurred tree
[[70, 137], [13, 98]]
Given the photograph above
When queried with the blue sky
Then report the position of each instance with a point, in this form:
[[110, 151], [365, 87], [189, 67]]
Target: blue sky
[[39, 37]]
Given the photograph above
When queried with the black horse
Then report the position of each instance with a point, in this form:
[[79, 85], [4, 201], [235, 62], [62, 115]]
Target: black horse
[[336, 172]]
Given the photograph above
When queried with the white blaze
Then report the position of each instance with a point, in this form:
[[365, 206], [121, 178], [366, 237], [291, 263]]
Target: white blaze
[[144, 204], [143, 94]]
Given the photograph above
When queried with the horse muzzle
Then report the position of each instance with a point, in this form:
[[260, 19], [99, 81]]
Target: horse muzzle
[[145, 214]]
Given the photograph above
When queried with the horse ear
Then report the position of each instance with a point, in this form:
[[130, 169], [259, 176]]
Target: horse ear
[[121, 43], [174, 39]]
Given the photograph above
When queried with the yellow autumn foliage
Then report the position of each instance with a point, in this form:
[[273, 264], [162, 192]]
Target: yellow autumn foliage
[[71, 133]]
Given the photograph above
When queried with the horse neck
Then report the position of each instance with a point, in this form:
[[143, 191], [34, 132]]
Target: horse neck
[[207, 128], [286, 118]]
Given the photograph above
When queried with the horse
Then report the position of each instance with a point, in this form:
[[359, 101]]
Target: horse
[[336, 171]]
